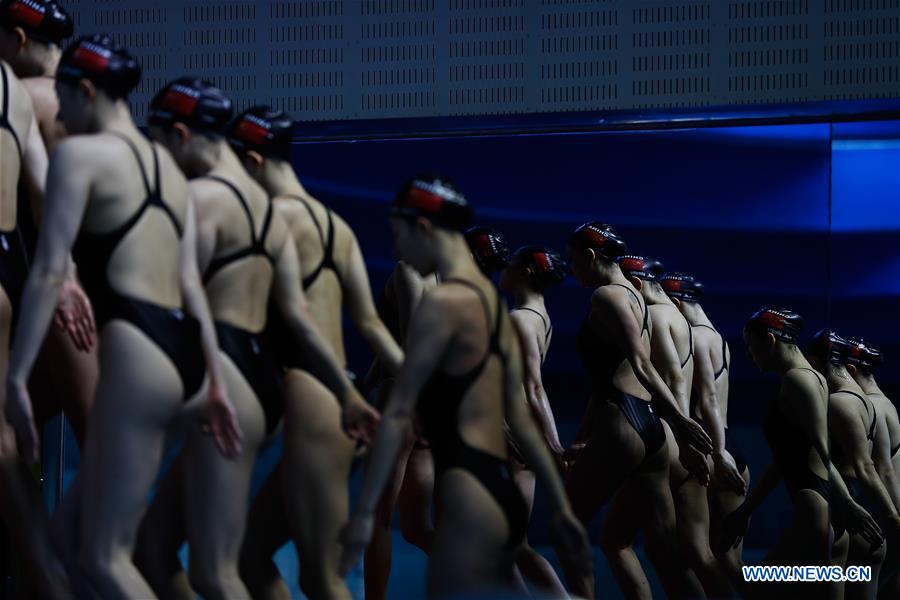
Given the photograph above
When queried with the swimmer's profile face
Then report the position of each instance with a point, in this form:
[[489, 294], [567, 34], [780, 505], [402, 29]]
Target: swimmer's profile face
[[410, 246], [9, 44], [580, 261], [75, 107], [759, 348]]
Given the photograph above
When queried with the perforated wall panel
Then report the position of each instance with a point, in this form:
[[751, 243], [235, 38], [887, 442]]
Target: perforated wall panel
[[370, 59]]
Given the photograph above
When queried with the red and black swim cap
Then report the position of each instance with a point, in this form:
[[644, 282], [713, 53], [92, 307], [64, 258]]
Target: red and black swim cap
[[99, 60], [861, 353], [42, 20], [489, 248], [601, 238], [435, 198], [783, 323], [830, 346], [681, 286], [641, 267], [198, 104], [547, 266], [264, 130]]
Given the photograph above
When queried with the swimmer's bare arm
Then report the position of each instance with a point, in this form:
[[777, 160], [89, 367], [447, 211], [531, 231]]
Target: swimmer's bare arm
[[287, 292], [664, 356], [69, 182], [850, 433], [362, 310], [801, 402], [708, 404], [535, 393], [881, 456], [567, 533], [225, 430], [408, 291], [617, 318], [431, 330]]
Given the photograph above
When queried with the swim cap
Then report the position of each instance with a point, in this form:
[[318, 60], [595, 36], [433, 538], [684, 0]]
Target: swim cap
[[601, 238], [547, 267], [783, 323], [866, 357], [681, 286], [42, 20], [830, 346], [99, 60], [262, 129], [638, 266], [489, 248], [198, 104], [434, 198]]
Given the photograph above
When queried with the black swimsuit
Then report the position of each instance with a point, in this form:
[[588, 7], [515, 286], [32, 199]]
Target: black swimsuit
[[285, 347], [438, 412], [733, 448], [791, 449], [174, 332], [601, 359], [250, 351], [548, 329], [327, 248], [13, 258]]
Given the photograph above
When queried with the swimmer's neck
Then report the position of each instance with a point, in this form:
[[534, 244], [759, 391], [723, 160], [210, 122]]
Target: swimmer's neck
[[839, 380], [454, 260], [223, 160], [282, 180], [695, 315], [868, 384], [116, 117], [39, 64], [654, 297], [790, 357], [529, 297]]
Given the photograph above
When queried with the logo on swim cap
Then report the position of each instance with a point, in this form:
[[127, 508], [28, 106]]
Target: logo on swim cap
[[180, 100], [541, 261], [92, 57], [431, 196], [252, 129], [772, 319], [28, 13]]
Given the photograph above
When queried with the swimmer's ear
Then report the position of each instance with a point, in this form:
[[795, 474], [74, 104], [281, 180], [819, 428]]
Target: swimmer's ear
[[254, 159], [676, 302], [87, 88], [770, 339], [592, 254], [637, 282], [424, 225], [182, 131], [21, 38], [852, 370]]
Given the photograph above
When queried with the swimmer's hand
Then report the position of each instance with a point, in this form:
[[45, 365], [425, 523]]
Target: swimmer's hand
[[570, 540], [20, 416], [570, 454], [688, 431], [359, 418], [695, 462], [75, 316], [219, 420], [355, 537], [726, 473], [861, 522], [733, 529]]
